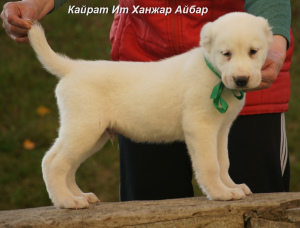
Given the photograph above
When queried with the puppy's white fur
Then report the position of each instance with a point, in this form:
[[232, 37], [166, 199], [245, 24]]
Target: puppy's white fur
[[161, 101]]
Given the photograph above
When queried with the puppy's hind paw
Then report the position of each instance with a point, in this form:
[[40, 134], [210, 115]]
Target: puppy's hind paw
[[91, 197]]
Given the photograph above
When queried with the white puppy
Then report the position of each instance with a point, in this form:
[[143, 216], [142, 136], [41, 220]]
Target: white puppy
[[161, 101]]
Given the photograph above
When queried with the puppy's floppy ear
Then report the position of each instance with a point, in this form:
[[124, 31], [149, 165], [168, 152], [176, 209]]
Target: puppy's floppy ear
[[267, 29], [206, 36]]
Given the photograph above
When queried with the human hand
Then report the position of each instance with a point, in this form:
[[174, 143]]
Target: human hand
[[17, 18], [274, 62]]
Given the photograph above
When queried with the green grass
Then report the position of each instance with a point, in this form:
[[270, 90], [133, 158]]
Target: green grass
[[24, 86]]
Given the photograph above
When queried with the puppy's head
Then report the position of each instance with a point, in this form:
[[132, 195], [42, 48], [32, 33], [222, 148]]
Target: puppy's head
[[236, 45]]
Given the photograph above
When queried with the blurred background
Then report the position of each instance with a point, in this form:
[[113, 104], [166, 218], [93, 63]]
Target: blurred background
[[29, 116]]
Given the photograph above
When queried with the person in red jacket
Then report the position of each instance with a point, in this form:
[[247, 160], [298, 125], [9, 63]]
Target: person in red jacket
[[144, 31]]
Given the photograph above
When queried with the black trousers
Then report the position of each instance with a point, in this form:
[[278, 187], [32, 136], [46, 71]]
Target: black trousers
[[257, 152]]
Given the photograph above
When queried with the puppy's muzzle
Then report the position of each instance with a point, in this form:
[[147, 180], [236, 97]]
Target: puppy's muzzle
[[241, 81]]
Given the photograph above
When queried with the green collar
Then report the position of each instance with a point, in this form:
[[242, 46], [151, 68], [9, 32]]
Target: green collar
[[219, 103]]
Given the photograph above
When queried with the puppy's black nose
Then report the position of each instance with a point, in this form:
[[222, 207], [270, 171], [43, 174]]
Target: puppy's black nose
[[241, 81]]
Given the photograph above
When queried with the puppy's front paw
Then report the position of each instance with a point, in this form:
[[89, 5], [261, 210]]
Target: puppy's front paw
[[72, 203], [228, 194], [236, 194]]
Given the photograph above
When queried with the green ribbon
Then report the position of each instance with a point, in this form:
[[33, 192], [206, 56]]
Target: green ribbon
[[219, 103]]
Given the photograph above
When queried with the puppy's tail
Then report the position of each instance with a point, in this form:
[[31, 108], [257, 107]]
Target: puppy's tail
[[56, 64]]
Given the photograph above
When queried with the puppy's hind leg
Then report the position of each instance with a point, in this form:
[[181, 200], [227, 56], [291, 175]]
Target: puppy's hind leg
[[74, 145], [54, 177], [71, 182]]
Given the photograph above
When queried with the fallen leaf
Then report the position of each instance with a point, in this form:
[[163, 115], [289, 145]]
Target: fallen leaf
[[42, 110], [28, 145]]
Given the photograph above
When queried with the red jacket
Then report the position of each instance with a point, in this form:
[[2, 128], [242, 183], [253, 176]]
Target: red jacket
[[154, 36]]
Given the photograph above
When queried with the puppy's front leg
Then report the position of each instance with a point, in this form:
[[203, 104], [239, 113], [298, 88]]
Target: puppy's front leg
[[224, 160], [201, 141]]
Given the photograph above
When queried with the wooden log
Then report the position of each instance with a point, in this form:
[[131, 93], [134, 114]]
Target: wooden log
[[257, 210]]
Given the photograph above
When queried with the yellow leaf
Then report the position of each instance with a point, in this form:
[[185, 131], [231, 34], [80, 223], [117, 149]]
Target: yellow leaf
[[42, 110], [28, 145]]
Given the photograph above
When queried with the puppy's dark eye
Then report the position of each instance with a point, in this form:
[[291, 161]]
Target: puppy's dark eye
[[226, 53], [253, 51]]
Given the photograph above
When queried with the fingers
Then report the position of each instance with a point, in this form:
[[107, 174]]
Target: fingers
[[273, 64], [14, 25], [269, 75]]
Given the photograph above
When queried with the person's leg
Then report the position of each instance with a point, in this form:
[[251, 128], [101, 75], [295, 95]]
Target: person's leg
[[154, 171], [258, 153]]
